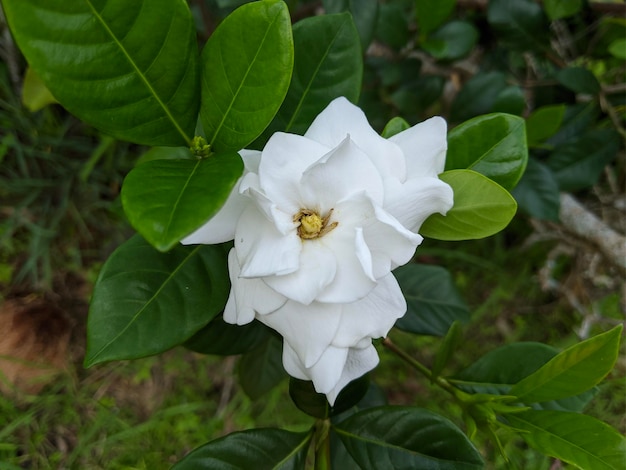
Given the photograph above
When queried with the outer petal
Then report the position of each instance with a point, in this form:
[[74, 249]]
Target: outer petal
[[341, 118], [317, 270], [424, 146], [221, 227], [261, 249], [248, 296], [358, 362], [372, 316], [309, 329], [344, 171], [414, 201], [327, 372], [285, 157]]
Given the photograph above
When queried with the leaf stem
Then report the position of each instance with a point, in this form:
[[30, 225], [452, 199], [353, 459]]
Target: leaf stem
[[322, 444]]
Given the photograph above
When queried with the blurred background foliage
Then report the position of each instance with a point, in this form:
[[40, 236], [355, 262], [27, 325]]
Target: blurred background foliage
[[556, 275]]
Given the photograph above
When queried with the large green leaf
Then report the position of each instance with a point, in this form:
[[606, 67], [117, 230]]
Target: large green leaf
[[225, 339], [256, 448], [579, 79], [165, 200], [520, 24], [327, 64], [246, 69], [433, 301], [481, 208], [128, 68], [261, 368], [544, 122], [578, 163], [572, 371], [574, 438], [493, 145], [364, 12], [498, 370], [145, 302], [406, 438], [537, 193]]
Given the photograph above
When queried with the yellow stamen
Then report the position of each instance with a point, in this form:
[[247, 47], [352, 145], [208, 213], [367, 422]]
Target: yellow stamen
[[312, 225]]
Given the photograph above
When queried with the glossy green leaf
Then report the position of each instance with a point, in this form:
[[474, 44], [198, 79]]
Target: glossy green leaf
[[510, 100], [165, 153], [538, 192], [404, 437], [521, 24], [452, 41], [261, 369], [446, 349], [327, 64], [493, 145], [574, 438], [557, 9], [432, 13], [364, 12], [145, 302], [498, 370], [95, 58], [478, 95], [224, 339], [35, 93], [544, 122], [433, 301], [395, 126], [246, 69], [269, 448], [579, 79], [579, 163], [165, 200], [481, 208], [306, 399], [572, 371]]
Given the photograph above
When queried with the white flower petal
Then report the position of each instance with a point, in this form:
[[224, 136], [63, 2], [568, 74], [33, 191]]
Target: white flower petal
[[317, 270], [261, 249], [327, 372], [342, 118], [292, 363], [372, 316], [339, 174], [358, 362], [248, 296], [414, 201], [285, 157], [309, 329], [424, 146]]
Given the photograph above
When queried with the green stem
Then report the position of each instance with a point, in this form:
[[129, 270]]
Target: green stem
[[322, 444]]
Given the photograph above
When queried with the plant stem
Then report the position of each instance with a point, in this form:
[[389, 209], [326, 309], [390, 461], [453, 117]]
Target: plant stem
[[322, 444]]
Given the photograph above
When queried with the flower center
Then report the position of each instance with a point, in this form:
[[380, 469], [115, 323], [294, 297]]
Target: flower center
[[312, 225]]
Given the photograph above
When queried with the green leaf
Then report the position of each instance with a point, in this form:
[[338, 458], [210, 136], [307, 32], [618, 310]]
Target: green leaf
[[165, 153], [261, 369], [392, 26], [452, 41], [557, 9], [145, 302], [403, 437], [327, 64], [127, 68], [478, 95], [520, 25], [35, 93], [395, 126], [246, 68], [544, 122], [538, 193], [493, 145], [224, 339], [617, 48], [574, 438], [481, 208], [579, 79], [432, 13], [165, 200], [446, 350], [306, 399], [364, 12], [572, 371], [255, 448], [578, 164], [576, 120], [498, 370], [433, 301], [510, 100]]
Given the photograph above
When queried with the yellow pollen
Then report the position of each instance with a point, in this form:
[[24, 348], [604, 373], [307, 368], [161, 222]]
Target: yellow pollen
[[312, 225]]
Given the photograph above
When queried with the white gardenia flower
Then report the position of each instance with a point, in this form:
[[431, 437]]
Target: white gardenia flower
[[319, 222]]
